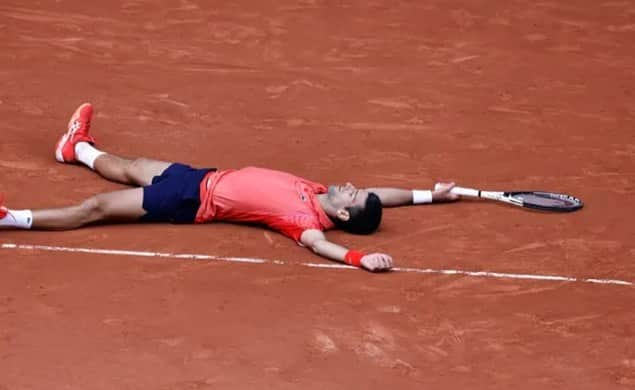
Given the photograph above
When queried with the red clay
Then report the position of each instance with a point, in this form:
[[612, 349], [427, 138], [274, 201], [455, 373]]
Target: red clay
[[494, 94]]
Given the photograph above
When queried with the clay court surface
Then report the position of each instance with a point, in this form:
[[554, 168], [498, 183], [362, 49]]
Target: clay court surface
[[492, 94]]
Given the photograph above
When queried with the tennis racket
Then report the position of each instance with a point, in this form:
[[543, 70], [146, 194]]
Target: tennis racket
[[537, 200]]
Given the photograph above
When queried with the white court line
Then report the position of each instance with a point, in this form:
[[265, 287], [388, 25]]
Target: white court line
[[186, 256]]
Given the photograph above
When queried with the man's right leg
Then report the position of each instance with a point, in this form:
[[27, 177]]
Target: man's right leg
[[77, 145], [137, 172]]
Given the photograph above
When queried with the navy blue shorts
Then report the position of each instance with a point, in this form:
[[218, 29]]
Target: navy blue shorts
[[174, 196]]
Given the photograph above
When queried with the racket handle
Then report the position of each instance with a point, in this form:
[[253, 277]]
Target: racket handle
[[462, 191]]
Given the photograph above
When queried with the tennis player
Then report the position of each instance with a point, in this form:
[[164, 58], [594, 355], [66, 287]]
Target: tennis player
[[177, 193]]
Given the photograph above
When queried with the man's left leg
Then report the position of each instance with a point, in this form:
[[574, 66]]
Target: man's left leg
[[118, 206]]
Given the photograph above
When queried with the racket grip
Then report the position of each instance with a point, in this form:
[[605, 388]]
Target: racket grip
[[462, 191]]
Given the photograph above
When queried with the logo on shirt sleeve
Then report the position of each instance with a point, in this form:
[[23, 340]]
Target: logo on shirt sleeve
[[302, 192]]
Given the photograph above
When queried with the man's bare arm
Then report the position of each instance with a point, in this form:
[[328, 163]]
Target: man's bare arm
[[395, 197], [392, 197], [316, 241]]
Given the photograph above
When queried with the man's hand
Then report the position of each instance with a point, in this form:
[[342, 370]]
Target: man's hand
[[442, 193], [377, 262]]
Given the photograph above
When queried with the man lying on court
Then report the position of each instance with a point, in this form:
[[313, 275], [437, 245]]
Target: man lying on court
[[177, 193]]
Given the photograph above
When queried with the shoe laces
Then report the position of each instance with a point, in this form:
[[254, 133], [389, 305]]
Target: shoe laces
[[75, 125]]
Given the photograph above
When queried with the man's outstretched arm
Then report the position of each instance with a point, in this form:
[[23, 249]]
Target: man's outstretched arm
[[395, 197], [316, 241]]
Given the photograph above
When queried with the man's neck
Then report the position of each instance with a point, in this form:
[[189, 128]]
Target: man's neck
[[324, 203]]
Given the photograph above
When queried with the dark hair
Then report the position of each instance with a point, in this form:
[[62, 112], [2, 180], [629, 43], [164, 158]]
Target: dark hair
[[363, 220]]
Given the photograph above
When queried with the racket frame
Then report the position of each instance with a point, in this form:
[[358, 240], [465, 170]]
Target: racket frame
[[509, 198]]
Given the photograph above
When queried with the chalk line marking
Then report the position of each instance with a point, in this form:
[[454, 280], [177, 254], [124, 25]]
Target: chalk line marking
[[250, 260]]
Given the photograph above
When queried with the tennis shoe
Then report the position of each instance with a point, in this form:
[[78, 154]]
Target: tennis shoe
[[78, 127], [3, 210]]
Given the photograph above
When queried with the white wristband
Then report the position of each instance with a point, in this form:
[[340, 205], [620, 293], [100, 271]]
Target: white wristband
[[419, 197]]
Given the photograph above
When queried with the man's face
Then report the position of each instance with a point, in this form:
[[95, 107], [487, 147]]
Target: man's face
[[343, 196]]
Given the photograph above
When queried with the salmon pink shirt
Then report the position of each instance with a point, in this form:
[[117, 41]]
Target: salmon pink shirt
[[279, 200]]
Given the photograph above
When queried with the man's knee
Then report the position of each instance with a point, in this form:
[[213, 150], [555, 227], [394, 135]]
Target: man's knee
[[93, 209], [136, 171], [136, 166], [140, 162]]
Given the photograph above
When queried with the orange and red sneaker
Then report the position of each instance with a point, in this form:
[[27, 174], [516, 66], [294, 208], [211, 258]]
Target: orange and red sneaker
[[3, 210], [78, 127]]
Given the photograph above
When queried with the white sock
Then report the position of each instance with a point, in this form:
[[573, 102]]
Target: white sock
[[87, 154], [20, 219]]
